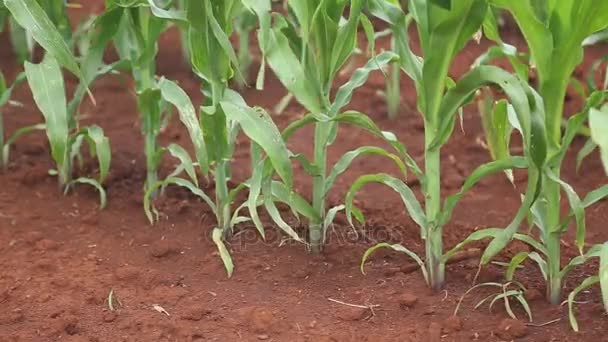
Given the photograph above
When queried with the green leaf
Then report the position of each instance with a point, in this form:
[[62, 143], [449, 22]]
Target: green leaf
[[102, 193], [398, 248], [32, 17], [583, 286], [363, 121], [281, 193], [477, 175], [285, 64], [175, 95], [6, 149], [603, 274], [575, 204], [259, 127], [598, 123], [514, 264], [46, 82], [185, 161], [345, 161], [407, 196], [148, 208], [359, 77], [100, 147]]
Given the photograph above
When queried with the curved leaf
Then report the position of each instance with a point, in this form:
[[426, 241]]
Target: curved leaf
[[259, 127], [398, 248], [102, 192], [583, 286], [348, 158], [175, 95], [407, 196], [358, 78], [185, 161]]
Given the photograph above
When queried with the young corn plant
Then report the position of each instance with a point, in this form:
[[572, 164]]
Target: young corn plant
[[447, 27], [307, 50], [555, 39], [46, 82], [214, 129]]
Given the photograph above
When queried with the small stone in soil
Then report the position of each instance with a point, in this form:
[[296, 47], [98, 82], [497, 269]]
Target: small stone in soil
[[263, 337], [161, 248], [109, 317], [510, 329], [453, 324], [407, 300]]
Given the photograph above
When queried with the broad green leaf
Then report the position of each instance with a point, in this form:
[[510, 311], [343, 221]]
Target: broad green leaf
[[281, 193], [283, 61], [258, 126], [32, 17], [46, 82]]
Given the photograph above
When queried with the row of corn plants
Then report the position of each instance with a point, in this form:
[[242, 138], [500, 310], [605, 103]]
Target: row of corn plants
[[309, 45]]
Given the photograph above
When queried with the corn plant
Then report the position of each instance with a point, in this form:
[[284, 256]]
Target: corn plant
[[555, 39], [447, 27], [46, 82], [506, 291], [307, 50], [214, 129]]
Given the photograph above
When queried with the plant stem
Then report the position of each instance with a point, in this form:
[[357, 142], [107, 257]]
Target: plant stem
[[318, 190], [221, 198], [433, 241], [151, 162], [393, 88], [552, 239]]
